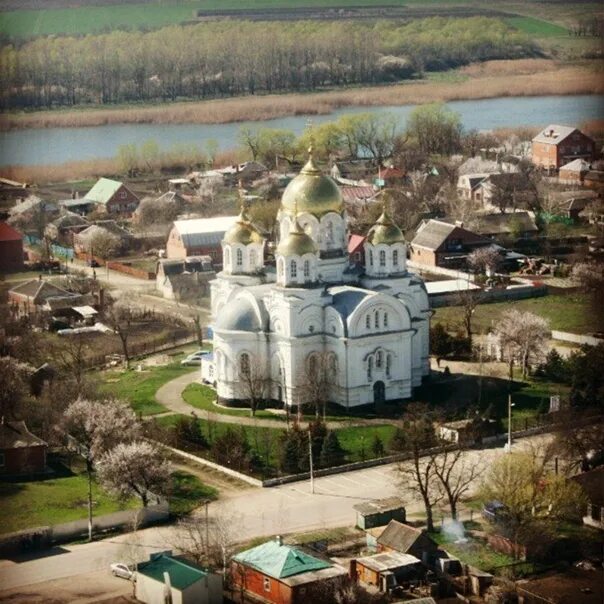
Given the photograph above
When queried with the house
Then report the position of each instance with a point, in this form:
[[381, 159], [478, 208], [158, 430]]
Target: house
[[379, 512], [11, 248], [592, 483], [519, 225], [231, 175], [31, 206], [167, 579], [276, 573], [402, 538], [183, 279], [63, 228], [573, 172], [21, 452], [439, 243], [356, 249], [172, 200], [468, 186], [571, 204], [390, 177], [112, 197], [557, 145], [387, 570], [77, 205], [84, 241], [462, 431], [41, 296], [198, 237], [358, 195]]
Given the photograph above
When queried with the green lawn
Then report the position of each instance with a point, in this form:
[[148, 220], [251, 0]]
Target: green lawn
[[188, 493], [52, 501], [536, 27], [139, 387], [569, 312]]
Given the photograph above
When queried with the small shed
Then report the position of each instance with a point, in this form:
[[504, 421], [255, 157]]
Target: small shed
[[167, 579], [21, 452], [379, 512], [387, 570], [405, 539]]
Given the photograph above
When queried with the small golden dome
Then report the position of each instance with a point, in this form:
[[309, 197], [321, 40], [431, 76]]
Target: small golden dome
[[243, 231], [313, 191], [385, 231], [297, 243]]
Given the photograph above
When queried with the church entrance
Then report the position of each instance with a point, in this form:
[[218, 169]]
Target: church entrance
[[379, 392]]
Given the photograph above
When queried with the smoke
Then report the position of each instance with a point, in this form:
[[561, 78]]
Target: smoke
[[454, 531]]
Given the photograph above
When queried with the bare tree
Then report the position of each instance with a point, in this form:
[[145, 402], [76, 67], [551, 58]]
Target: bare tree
[[253, 381], [120, 317], [198, 329], [419, 473], [135, 468], [590, 277], [456, 475], [522, 336], [70, 354], [14, 386], [94, 427], [317, 377], [468, 300]]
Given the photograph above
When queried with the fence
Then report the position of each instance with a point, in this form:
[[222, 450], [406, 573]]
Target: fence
[[57, 250], [576, 338], [43, 537], [515, 292], [120, 267]]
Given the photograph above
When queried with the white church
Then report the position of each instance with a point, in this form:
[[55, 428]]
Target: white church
[[370, 327]]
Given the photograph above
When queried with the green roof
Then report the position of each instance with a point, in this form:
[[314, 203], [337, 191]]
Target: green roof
[[181, 574], [103, 190], [279, 561]]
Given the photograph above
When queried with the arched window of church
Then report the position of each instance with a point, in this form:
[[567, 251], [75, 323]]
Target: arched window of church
[[239, 257], [377, 319], [281, 267], [333, 366], [293, 269], [382, 258], [244, 363], [379, 359], [370, 368], [395, 257], [385, 319], [329, 233], [227, 257], [388, 364], [312, 365], [371, 257], [368, 321], [306, 269], [252, 258]]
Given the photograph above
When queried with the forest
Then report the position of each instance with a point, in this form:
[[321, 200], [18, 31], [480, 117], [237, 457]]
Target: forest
[[234, 58]]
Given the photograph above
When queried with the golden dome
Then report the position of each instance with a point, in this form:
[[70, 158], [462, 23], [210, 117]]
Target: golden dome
[[385, 231], [313, 191], [297, 242], [243, 231]]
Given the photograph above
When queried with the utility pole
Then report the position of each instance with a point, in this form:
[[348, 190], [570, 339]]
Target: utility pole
[[510, 405], [312, 478]]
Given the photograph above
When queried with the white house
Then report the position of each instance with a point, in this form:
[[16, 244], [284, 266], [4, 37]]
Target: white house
[[166, 579], [370, 327]]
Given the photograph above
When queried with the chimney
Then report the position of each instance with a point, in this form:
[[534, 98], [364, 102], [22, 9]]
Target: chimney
[[167, 588], [459, 223], [551, 133], [279, 540]]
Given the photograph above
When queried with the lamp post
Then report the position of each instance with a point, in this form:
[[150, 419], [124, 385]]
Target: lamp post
[[510, 405], [312, 478]]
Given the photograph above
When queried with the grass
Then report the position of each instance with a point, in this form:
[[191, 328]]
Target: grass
[[536, 27], [139, 388], [188, 493], [569, 312], [52, 501], [357, 440]]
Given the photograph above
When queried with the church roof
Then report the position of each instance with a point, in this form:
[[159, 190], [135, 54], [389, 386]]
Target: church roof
[[296, 243], [238, 315], [385, 231], [346, 299], [243, 231]]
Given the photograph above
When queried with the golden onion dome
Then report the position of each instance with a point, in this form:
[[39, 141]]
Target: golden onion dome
[[312, 191], [385, 231], [243, 231], [296, 243]]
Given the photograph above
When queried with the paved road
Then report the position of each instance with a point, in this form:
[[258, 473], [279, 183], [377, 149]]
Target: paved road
[[253, 513]]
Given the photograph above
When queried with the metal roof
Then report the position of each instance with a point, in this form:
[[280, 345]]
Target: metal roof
[[103, 190], [181, 574], [378, 506], [400, 537], [433, 234], [277, 560], [204, 231], [238, 315], [387, 561], [448, 286], [553, 134], [577, 165], [346, 299]]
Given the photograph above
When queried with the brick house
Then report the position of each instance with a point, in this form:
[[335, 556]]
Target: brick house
[[11, 248], [198, 237], [21, 452], [113, 197], [556, 146], [276, 573], [574, 172], [439, 243], [41, 296]]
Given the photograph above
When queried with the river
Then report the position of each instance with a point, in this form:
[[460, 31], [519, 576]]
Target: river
[[60, 145]]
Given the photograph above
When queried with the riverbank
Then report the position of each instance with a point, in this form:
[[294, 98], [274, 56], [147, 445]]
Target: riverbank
[[526, 77]]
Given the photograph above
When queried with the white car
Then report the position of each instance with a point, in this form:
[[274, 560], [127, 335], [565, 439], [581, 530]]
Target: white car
[[194, 358], [119, 569]]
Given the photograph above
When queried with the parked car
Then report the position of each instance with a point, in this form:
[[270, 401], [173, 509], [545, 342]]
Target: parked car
[[194, 358], [119, 569]]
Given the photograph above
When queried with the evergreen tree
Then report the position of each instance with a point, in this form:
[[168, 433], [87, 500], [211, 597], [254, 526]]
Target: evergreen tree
[[332, 453], [398, 442], [289, 459], [377, 446]]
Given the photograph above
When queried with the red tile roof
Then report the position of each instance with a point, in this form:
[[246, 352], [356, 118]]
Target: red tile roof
[[7, 233], [355, 243]]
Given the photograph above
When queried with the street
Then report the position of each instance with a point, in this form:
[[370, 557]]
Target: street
[[251, 513]]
